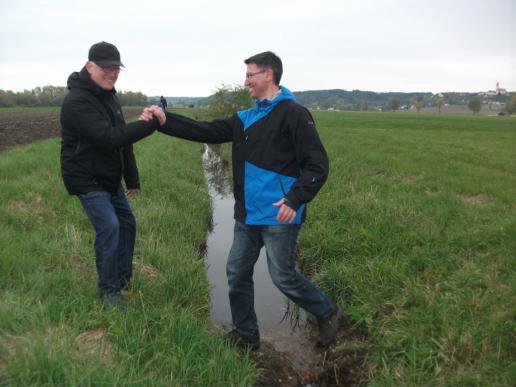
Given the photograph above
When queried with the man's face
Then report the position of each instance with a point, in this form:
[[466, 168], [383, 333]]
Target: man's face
[[257, 80], [104, 78]]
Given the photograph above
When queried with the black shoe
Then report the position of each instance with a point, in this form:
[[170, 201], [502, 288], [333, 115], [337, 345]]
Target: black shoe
[[329, 327], [251, 342], [113, 300]]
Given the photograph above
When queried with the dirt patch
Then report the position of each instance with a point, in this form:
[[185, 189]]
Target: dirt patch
[[24, 127], [95, 342], [409, 179], [33, 205], [345, 363], [9, 346], [146, 270], [276, 368], [475, 199]]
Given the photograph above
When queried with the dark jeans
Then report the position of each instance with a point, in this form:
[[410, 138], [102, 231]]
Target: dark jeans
[[280, 244], [115, 232]]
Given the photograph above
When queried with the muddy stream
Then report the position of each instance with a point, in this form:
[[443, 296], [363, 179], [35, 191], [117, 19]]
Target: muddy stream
[[287, 354]]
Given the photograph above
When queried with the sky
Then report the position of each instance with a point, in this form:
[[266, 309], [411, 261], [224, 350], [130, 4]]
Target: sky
[[189, 48]]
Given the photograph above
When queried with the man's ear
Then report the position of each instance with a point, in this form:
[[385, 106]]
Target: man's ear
[[88, 65], [270, 75]]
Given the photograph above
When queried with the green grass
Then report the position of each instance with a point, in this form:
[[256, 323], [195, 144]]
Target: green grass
[[415, 234], [50, 315]]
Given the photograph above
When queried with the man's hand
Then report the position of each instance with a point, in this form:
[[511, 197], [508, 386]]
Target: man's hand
[[285, 214], [146, 115], [132, 191], [153, 111]]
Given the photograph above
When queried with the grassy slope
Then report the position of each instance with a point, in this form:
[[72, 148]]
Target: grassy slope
[[54, 330], [415, 233]]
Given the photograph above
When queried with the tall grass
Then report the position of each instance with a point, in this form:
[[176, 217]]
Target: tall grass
[[53, 328], [415, 234]]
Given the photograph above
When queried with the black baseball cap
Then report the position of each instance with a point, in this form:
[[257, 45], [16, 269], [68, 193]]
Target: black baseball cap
[[105, 55]]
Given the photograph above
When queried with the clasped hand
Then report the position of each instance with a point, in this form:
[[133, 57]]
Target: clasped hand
[[153, 111]]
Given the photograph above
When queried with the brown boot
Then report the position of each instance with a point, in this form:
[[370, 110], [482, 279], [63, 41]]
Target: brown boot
[[251, 342], [329, 327]]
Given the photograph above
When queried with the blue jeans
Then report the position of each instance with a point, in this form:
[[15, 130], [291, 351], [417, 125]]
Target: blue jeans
[[115, 233], [280, 244]]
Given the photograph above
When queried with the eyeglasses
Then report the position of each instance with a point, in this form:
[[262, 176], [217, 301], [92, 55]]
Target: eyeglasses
[[250, 75], [112, 69]]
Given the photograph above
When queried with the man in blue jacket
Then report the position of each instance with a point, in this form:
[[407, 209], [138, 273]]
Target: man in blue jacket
[[279, 165]]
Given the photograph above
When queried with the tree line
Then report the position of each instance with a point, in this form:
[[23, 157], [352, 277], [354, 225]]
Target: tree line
[[54, 95]]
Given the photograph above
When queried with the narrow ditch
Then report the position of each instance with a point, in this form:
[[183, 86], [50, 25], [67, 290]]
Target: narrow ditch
[[287, 354]]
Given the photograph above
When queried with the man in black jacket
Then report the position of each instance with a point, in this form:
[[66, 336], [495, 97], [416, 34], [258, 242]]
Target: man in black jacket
[[96, 152], [279, 165]]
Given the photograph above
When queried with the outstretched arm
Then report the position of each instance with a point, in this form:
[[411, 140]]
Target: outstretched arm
[[217, 131], [87, 121]]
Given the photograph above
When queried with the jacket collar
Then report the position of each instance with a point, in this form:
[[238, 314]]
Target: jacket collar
[[82, 80], [282, 95]]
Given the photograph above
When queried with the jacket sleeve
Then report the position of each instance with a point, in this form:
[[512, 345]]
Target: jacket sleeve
[[214, 132], [91, 124], [131, 176], [311, 157]]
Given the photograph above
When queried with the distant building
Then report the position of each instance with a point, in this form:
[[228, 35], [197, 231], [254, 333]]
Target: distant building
[[498, 91]]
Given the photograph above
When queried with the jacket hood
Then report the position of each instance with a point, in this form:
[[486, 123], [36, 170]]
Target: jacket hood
[[263, 107], [82, 80], [282, 95]]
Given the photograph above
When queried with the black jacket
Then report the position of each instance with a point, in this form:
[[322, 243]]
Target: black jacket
[[277, 154], [96, 143]]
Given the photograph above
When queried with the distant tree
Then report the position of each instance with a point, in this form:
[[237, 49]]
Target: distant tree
[[131, 98], [511, 105], [227, 100], [416, 103], [475, 104], [6, 98], [364, 106], [393, 103], [439, 102], [340, 104], [49, 95], [25, 98]]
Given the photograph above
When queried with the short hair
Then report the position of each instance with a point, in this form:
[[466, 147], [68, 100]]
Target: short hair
[[268, 60]]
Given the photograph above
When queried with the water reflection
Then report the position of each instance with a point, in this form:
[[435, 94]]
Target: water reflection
[[216, 172]]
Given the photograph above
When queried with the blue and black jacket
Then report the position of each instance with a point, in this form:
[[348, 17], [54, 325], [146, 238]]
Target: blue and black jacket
[[277, 154]]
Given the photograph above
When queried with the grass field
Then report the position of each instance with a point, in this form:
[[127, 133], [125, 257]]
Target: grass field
[[414, 234]]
